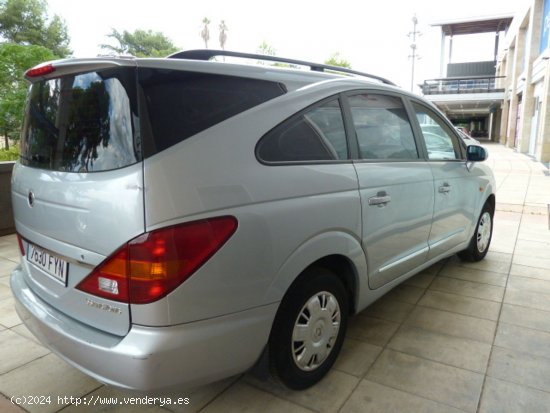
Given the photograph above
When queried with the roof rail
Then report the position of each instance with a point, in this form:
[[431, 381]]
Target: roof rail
[[207, 54]]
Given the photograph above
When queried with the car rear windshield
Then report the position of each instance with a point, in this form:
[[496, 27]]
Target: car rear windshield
[[82, 123], [181, 104]]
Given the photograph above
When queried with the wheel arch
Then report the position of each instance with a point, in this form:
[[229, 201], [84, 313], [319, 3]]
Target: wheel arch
[[338, 252]]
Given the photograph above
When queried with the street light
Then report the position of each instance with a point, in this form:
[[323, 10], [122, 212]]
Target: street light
[[413, 56]]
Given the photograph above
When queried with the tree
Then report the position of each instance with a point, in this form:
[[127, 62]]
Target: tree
[[205, 33], [14, 60], [140, 43], [336, 60], [266, 49], [223, 34], [26, 22]]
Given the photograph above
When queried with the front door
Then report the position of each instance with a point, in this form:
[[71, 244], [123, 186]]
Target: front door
[[456, 193]]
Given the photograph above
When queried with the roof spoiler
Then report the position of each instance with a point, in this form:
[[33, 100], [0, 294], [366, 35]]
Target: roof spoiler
[[207, 54]]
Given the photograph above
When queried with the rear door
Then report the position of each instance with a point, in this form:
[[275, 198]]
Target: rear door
[[396, 187], [77, 190], [456, 193]]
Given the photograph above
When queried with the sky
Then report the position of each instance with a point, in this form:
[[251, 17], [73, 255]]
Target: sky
[[371, 35]]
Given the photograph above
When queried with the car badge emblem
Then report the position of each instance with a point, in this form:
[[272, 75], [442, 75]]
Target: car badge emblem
[[31, 198]]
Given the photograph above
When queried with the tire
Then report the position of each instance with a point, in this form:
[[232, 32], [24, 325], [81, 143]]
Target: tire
[[481, 240], [309, 329]]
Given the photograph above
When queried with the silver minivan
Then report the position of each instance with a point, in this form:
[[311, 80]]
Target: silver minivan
[[183, 220]]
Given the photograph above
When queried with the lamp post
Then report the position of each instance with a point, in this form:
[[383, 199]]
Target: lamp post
[[413, 56]]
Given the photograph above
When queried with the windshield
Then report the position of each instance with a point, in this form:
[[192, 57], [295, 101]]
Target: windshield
[[82, 123]]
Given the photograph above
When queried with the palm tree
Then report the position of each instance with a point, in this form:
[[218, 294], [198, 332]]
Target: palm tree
[[205, 33]]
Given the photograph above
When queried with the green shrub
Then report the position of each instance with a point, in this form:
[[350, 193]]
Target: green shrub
[[12, 154]]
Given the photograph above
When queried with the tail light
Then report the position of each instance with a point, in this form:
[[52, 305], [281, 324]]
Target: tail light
[[21, 246], [152, 265]]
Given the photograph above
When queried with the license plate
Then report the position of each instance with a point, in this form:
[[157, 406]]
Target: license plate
[[52, 265]]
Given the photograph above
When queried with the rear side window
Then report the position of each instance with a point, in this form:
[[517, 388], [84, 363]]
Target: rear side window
[[382, 127], [317, 134], [181, 104], [81, 123]]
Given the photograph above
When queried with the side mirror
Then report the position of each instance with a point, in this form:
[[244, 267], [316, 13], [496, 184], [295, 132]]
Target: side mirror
[[475, 153]]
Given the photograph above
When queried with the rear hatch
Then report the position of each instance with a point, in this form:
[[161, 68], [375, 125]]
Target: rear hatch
[[78, 188]]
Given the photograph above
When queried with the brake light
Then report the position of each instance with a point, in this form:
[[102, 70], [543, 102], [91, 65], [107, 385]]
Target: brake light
[[40, 70], [21, 245], [152, 265]]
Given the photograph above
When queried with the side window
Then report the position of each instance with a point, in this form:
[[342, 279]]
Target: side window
[[317, 134], [181, 104], [441, 144], [382, 127]]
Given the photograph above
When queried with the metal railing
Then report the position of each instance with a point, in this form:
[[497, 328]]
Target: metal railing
[[471, 84]]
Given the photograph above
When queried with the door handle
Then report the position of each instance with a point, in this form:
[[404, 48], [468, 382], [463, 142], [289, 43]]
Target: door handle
[[443, 189], [381, 199]]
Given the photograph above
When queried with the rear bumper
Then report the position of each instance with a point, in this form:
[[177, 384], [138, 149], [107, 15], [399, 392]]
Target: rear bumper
[[150, 358]]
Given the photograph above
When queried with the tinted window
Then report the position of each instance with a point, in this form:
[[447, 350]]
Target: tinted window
[[182, 104], [439, 141], [382, 127], [81, 123], [318, 134]]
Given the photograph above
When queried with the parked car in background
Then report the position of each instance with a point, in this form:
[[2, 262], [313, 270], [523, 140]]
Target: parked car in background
[[182, 220], [468, 140]]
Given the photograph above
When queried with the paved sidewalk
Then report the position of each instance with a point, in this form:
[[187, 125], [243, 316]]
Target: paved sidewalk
[[456, 338]]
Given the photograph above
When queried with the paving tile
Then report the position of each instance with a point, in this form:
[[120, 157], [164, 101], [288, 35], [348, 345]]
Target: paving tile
[[60, 380], [356, 357], [532, 272], [22, 330], [243, 398], [371, 330], [459, 352], [532, 248], [435, 381], [6, 406], [326, 396], [529, 299], [371, 397], [406, 293], [530, 341], [461, 304], [521, 368], [5, 281], [6, 267], [389, 309], [509, 208], [468, 288], [8, 316], [541, 234], [200, 397], [421, 280], [456, 325], [17, 351], [10, 252], [534, 221], [529, 261], [501, 216], [493, 261], [503, 397], [525, 317], [471, 274], [108, 399], [529, 284], [5, 291]]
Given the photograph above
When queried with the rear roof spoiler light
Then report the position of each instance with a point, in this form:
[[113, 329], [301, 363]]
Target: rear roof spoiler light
[[41, 70]]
